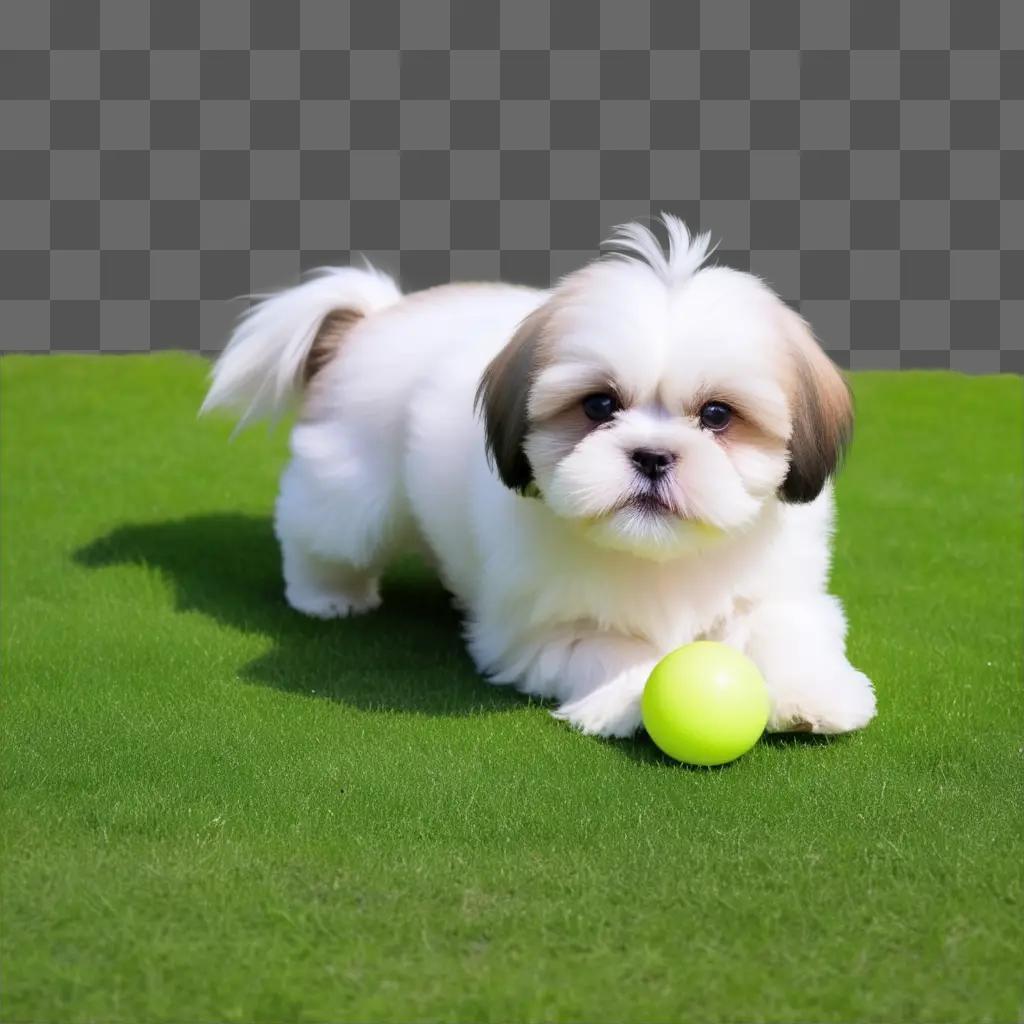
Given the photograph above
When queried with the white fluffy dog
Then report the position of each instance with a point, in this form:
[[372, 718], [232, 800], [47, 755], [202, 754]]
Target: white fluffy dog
[[635, 459]]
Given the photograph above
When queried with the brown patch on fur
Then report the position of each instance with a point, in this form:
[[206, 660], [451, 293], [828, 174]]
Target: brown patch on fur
[[742, 431], [747, 419], [822, 413], [571, 421], [502, 397], [329, 336], [557, 435]]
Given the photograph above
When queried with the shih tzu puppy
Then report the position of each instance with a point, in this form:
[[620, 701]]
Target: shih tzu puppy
[[638, 458]]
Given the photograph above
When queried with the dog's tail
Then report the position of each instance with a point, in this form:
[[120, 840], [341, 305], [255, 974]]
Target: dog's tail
[[286, 338]]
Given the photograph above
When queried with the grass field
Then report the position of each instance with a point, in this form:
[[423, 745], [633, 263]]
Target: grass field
[[216, 809]]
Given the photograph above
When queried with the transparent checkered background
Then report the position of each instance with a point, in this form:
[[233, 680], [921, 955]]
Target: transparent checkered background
[[159, 159]]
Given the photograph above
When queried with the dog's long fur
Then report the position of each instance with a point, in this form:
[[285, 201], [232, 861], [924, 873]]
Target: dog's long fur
[[453, 420]]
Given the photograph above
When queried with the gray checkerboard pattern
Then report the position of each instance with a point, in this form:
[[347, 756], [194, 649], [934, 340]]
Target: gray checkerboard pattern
[[159, 159]]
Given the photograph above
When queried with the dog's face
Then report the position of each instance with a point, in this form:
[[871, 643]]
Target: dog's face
[[659, 404]]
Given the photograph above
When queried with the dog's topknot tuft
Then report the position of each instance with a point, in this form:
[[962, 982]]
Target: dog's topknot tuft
[[674, 262]]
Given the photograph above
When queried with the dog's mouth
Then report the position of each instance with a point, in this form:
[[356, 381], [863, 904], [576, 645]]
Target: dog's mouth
[[650, 503]]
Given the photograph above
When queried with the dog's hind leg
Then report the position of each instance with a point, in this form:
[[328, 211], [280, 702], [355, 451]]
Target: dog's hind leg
[[340, 518], [326, 588]]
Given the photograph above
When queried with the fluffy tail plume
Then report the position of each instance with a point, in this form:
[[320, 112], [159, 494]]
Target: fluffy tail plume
[[283, 340]]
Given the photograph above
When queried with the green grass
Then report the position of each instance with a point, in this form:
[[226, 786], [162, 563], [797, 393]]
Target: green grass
[[216, 809]]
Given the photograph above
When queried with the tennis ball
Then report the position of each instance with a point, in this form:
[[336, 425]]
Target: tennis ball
[[705, 703]]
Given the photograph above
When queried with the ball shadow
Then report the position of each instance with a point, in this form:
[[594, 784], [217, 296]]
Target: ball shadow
[[406, 656], [642, 749]]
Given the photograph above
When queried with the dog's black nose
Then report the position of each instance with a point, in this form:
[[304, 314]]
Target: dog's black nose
[[654, 463]]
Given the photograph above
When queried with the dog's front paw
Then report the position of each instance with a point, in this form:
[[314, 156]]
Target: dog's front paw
[[831, 703], [610, 711]]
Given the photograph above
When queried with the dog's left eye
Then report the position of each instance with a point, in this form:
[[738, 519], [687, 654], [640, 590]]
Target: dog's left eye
[[600, 407], [715, 415]]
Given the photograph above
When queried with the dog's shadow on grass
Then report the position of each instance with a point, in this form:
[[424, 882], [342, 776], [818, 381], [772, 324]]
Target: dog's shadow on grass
[[407, 655]]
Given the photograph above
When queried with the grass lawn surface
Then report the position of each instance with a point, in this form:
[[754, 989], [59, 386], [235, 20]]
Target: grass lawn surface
[[216, 809]]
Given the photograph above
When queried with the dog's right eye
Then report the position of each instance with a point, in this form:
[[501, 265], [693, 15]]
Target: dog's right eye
[[600, 407]]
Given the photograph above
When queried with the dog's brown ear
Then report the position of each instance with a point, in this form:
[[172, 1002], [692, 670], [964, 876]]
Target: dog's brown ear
[[502, 397], [822, 414]]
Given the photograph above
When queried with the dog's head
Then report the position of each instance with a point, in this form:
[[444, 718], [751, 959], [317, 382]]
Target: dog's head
[[660, 402]]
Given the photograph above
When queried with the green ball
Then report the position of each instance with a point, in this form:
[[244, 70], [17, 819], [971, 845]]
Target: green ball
[[705, 703]]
